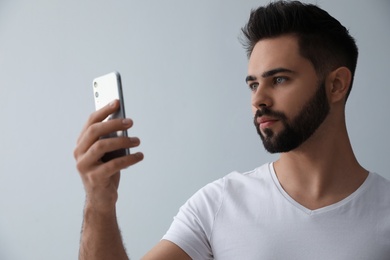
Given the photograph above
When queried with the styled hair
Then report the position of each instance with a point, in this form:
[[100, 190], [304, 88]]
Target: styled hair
[[322, 39]]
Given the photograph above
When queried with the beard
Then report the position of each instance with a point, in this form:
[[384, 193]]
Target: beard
[[299, 129]]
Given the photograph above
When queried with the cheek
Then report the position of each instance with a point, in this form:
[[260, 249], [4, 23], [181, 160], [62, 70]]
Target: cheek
[[254, 110], [253, 107], [292, 102], [294, 109]]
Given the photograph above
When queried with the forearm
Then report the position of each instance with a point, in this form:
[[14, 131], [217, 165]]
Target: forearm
[[101, 238]]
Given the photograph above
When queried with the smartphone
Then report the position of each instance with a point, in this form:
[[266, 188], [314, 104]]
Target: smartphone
[[106, 88]]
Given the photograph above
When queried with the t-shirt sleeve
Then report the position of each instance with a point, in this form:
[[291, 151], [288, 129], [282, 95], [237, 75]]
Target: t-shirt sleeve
[[192, 227]]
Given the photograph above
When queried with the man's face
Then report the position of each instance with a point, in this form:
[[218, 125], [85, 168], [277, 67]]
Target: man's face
[[288, 102], [299, 129]]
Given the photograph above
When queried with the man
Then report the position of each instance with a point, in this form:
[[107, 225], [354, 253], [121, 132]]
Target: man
[[314, 202]]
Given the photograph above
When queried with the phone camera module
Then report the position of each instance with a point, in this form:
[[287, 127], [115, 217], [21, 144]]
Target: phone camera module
[[96, 94], [95, 84]]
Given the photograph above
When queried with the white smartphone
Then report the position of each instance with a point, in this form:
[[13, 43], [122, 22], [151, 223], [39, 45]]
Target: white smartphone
[[105, 89]]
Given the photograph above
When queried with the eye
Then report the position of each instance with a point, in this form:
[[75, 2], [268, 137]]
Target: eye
[[279, 80], [253, 86]]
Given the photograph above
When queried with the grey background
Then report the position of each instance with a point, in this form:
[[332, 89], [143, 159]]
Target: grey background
[[183, 71]]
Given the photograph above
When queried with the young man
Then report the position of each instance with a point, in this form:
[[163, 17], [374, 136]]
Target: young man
[[314, 202]]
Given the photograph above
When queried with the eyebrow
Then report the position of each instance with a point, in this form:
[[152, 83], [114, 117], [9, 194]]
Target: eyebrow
[[268, 73]]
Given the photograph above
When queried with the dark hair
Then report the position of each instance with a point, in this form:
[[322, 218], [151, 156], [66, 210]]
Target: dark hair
[[322, 39]]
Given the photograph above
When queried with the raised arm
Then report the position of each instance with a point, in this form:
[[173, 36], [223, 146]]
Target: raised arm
[[100, 238]]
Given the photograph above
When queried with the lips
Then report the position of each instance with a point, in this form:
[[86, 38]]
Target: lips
[[264, 121]]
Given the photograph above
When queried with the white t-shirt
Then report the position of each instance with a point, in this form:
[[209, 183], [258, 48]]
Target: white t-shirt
[[250, 216]]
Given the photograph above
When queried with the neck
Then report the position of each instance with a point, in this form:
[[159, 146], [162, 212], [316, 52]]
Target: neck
[[323, 170]]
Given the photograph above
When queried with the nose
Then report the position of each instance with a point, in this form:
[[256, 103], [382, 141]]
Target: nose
[[261, 98]]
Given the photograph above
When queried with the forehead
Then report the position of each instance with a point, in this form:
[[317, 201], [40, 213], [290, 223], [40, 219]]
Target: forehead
[[278, 52]]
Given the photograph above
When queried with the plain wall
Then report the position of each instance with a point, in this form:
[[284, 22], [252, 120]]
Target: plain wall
[[183, 71]]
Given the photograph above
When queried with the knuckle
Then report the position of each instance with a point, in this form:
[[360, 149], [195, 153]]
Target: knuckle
[[93, 131], [80, 166], [75, 153], [98, 148], [115, 164], [92, 118], [108, 167]]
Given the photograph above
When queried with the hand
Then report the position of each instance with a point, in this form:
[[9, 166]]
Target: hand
[[101, 180]]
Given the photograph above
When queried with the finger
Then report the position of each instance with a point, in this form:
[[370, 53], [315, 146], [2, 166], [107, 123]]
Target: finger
[[104, 171], [95, 131], [100, 115], [98, 149], [91, 158], [120, 163]]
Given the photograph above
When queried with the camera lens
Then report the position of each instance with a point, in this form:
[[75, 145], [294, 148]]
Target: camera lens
[[95, 84], [96, 94]]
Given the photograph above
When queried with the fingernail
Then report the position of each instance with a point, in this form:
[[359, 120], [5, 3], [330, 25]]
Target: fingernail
[[112, 103], [126, 121], [139, 155], [134, 139]]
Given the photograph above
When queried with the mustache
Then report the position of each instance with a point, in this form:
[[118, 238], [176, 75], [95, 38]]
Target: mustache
[[264, 111]]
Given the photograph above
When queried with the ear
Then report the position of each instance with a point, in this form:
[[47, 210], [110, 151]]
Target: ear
[[339, 82]]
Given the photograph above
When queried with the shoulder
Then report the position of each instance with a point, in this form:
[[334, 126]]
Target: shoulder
[[258, 179], [193, 226], [378, 183], [259, 174], [234, 189], [231, 184], [379, 178], [379, 187], [374, 195], [238, 180]]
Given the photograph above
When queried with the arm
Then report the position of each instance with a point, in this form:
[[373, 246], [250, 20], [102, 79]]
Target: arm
[[100, 238], [166, 250]]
